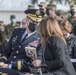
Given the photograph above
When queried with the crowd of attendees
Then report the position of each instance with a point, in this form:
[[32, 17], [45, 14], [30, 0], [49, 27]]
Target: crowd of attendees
[[49, 33]]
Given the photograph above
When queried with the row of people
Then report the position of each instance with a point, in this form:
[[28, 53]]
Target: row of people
[[52, 52], [51, 46]]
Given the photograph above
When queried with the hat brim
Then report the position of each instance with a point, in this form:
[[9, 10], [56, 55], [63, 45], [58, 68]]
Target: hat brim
[[40, 5], [34, 18]]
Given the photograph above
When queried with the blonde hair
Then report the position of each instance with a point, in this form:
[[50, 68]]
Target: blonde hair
[[66, 26], [50, 27]]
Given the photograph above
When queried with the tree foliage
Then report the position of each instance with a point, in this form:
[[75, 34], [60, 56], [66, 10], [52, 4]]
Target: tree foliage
[[60, 1]]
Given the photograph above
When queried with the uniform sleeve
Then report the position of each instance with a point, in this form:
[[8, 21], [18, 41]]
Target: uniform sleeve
[[57, 49], [8, 50], [21, 65]]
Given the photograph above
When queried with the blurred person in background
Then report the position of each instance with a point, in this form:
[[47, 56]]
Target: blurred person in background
[[18, 23], [61, 14], [3, 33], [72, 18], [51, 11], [42, 8], [66, 27], [10, 27]]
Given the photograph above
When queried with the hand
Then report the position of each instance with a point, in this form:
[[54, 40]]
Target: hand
[[1, 64], [37, 63], [5, 66], [29, 74]]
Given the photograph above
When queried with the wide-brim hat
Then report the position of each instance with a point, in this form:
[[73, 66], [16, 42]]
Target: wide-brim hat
[[34, 14]]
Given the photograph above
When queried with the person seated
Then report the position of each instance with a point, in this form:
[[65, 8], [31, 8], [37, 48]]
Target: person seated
[[66, 27], [56, 60], [15, 60]]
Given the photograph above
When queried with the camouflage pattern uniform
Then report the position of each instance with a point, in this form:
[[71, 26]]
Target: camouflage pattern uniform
[[10, 27], [72, 18], [44, 5], [52, 7]]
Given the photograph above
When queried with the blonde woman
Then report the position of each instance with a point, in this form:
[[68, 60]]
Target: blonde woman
[[55, 53], [70, 39]]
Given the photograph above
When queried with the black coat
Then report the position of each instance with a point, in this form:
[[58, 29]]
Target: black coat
[[71, 44], [56, 58], [15, 51]]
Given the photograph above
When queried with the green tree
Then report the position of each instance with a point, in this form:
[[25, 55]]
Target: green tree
[[51, 1]]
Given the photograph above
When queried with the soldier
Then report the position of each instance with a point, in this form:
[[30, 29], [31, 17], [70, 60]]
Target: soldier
[[61, 14], [3, 34], [72, 18], [42, 8], [24, 21], [15, 56], [50, 11], [10, 27]]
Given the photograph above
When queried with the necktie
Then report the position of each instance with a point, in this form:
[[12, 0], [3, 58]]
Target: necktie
[[24, 37]]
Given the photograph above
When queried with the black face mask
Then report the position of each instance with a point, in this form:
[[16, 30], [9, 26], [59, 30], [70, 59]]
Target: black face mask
[[32, 27], [72, 12], [41, 9], [47, 12]]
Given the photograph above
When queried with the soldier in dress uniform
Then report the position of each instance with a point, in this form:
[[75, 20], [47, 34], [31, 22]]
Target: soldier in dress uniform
[[10, 27], [51, 11], [15, 56], [24, 21]]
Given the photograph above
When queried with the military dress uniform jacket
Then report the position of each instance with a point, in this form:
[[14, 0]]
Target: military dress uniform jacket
[[15, 53], [56, 58]]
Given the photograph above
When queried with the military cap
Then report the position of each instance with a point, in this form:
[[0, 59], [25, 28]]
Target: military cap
[[12, 16], [60, 12], [50, 6], [42, 4], [31, 7], [34, 14], [73, 7]]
